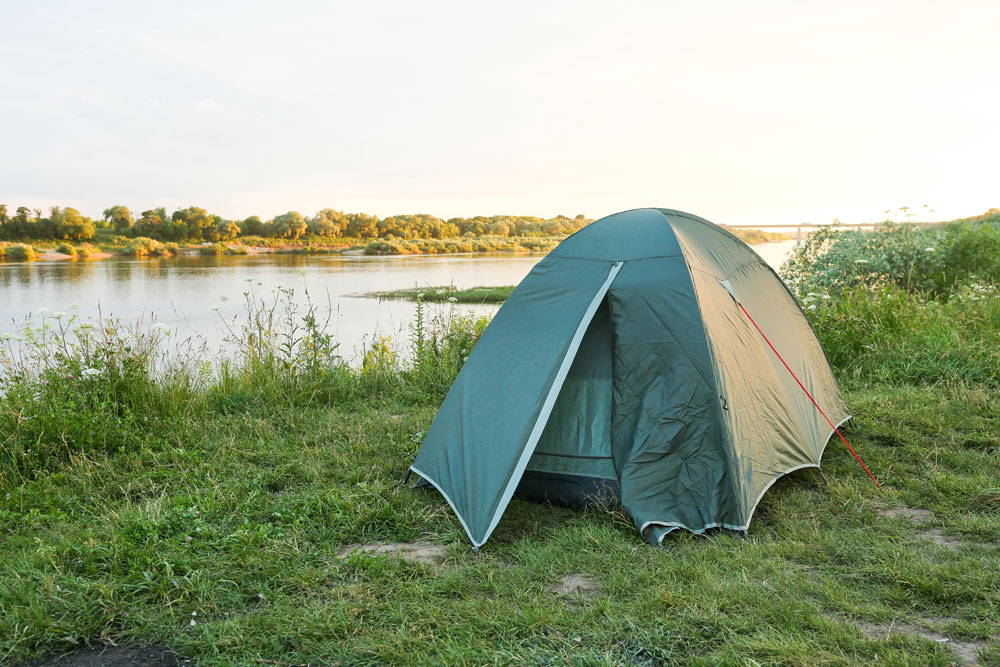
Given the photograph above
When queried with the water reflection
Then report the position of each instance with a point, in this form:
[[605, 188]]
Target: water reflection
[[181, 291]]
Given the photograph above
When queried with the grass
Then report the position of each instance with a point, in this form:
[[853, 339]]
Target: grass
[[205, 510], [451, 293]]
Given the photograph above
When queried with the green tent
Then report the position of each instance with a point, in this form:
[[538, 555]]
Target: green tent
[[625, 367]]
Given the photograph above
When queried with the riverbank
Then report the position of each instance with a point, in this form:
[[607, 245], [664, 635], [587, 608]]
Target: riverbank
[[256, 515], [115, 246]]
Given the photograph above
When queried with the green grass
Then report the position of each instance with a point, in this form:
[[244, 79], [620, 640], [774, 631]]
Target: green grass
[[138, 504], [450, 293], [238, 518]]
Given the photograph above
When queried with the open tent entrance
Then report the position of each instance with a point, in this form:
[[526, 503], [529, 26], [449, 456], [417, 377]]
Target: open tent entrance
[[572, 463]]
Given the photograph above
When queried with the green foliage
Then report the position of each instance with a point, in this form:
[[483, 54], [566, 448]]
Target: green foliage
[[21, 252], [119, 218], [137, 502], [420, 232], [76, 387], [460, 245], [146, 247], [68, 223], [213, 249], [931, 259], [66, 249], [291, 225], [884, 335], [451, 294]]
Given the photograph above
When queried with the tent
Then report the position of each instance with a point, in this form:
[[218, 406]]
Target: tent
[[651, 358]]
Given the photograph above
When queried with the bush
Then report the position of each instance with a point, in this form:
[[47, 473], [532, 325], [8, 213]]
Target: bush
[[926, 259], [143, 246], [3, 252], [66, 249], [237, 250], [84, 251], [21, 253], [213, 249]]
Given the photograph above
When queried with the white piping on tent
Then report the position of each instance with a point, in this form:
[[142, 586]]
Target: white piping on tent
[[673, 525], [450, 502], [549, 404]]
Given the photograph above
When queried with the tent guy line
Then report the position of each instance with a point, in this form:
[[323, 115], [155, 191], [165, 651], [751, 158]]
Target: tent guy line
[[835, 429]]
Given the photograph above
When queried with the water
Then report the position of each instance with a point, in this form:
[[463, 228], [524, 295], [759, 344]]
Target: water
[[182, 291]]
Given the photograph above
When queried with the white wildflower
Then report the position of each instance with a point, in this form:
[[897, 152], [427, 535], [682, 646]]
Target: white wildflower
[[6, 336], [861, 261], [89, 372], [421, 295], [251, 279], [440, 291], [59, 315], [452, 299], [216, 308], [160, 328], [811, 306], [826, 296], [74, 306], [930, 249], [43, 312], [302, 273]]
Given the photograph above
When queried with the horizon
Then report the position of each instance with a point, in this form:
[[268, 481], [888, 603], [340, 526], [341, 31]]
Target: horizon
[[792, 115]]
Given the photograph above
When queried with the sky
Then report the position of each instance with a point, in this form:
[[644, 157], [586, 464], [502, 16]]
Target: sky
[[743, 113]]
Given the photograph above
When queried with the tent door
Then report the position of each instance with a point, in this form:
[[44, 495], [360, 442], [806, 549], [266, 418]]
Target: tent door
[[572, 464]]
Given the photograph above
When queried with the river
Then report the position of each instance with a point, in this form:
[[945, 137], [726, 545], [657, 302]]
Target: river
[[195, 295]]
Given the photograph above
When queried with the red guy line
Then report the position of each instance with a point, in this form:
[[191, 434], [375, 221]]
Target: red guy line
[[810, 396]]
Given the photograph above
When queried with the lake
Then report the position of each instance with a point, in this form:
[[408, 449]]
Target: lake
[[194, 295]]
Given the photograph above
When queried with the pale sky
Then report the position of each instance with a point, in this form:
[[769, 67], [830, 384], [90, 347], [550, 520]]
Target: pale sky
[[754, 113]]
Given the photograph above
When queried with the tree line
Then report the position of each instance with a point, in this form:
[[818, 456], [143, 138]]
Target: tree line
[[194, 224]]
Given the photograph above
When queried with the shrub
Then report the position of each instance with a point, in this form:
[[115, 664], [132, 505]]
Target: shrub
[[21, 252], [142, 246], [66, 249], [928, 259], [84, 251], [3, 252], [237, 250], [213, 249]]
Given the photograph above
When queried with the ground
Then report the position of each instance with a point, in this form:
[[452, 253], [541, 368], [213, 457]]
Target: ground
[[282, 535]]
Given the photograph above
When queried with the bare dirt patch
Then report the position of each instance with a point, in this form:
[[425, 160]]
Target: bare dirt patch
[[922, 517], [966, 651], [578, 585], [116, 656], [417, 552], [911, 514]]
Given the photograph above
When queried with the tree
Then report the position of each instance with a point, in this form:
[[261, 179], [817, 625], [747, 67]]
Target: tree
[[227, 230], [290, 225], [151, 223], [68, 223], [193, 223], [362, 225], [120, 218], [327, 222], [253, 226]]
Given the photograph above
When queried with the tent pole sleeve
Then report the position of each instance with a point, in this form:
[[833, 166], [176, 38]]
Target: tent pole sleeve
[[550, 401]]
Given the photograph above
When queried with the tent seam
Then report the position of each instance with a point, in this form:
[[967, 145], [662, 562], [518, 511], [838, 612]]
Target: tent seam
[[760, 496], [549, 403]]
